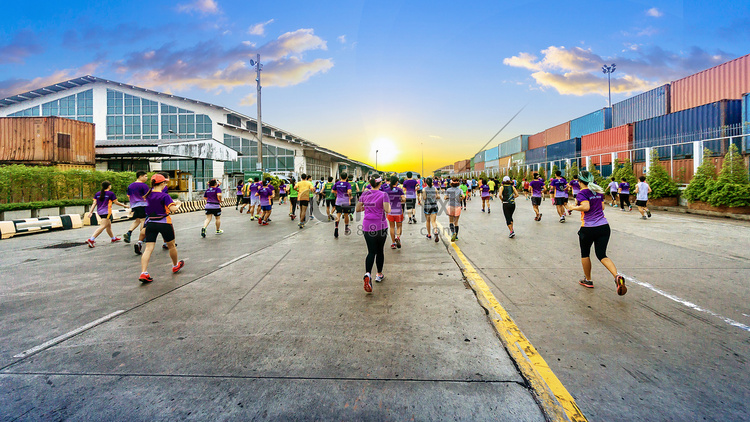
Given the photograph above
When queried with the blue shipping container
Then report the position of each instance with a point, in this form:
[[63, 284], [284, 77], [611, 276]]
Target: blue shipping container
[[491, 154], [746, 122], [641, 107], [591, 123], [564, 150], [514, 146], [536, 155], [693, 124], [479, 158]]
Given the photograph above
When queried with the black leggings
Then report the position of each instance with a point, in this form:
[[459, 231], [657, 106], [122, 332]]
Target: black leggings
[[375, 243], [624, 200], [597, 236], [293, 200], [508, 210]]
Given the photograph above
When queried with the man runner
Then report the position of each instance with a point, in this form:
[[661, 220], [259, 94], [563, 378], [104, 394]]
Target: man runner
[[330, 197], [537, 190], [213, 206], [304, 189], [410, 189], [642, 189], [136, 192], [343, 191], [560, 186]]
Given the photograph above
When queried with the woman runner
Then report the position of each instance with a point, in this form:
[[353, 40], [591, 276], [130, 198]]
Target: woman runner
[[454, 195], [623, 191], [537, 192], [266, 194], [430, 208], [594, 231], [160, 206], [103, 201], [485, 189], [136, 190], [509, 195], [240, 185], [292, 199], [282, 193], [613, 186], [374, 203], [396, 197], [213, 206]]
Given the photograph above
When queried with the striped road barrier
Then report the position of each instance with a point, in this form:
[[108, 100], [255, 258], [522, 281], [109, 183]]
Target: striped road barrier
[[12, 228]]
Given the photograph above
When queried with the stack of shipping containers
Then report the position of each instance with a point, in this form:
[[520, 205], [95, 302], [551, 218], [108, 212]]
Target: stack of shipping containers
[[491, 162], [746, 122], [479, 161], [600, 146]]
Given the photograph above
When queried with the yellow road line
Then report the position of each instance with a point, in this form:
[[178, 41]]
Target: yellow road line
[[556, 401]]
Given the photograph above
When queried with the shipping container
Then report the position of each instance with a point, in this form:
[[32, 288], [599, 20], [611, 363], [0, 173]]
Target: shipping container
[[479, 166], [564, 150], [694, 124], [518, 159], [683, 169], [618, 138], [479, 158], [514, 146], [471, 164], [644, 106], [746, 122], [593, 122], [491, 154], [727, 81], [606, 159], [461, 166], [555, 134], [536, 141], [536, 155], [46, 141], [491, 164], [504, 162]]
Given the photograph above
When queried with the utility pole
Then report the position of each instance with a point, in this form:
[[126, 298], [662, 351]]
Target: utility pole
[[258, 68], [609, 70]]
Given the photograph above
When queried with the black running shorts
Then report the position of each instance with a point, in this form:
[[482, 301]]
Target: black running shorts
[[561, 201], [153, 230], [411, 203], [139, 212], [536, 200], [214, 211], [641, 203]]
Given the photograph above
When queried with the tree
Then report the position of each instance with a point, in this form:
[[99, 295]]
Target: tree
[[624, 169], [732, 188], [598, 178], [696, 190], [572, 170], [662, 185]]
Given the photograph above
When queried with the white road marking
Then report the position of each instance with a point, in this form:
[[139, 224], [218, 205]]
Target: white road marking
[[746, 315], [690, 305], [234, 260], [66, 336]]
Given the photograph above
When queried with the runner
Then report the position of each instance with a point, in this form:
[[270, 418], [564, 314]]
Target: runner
[[246, 197], [282, 192], [240, 185], [469, 189], [160, 205], [493, 192], [213, 206], [410, 187], [594, 231], [343, 191], [485, 189], [312, 197], [642, 190], [360, 187], [575, 187], [396, 197], [265, 196], [465, 189], [526, 189], [537, 190], [103, 201], [559, 186], [430, 208], [304, 191], [136, 190], [254, 199], [509, 195], [613, 187], [375, 204], [330, 197], [623, 191], [321, 199], [454, 196], [293, 195]]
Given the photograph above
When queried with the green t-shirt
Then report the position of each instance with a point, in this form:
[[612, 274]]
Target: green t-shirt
[[292, 192], [464, 188], [361, 185], [328, 190]]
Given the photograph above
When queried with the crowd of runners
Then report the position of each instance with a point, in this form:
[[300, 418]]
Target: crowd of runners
[[381, 205]]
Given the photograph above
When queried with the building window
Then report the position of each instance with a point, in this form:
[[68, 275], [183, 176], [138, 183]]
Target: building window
[[184, 124], [318, 168], [29, 112], [234, 120], [274, 158]]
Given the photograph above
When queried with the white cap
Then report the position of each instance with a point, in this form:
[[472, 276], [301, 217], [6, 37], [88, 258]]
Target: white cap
[[506, 179]]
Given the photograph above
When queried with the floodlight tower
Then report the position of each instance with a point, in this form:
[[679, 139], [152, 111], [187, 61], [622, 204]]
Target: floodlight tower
[[609, 70]]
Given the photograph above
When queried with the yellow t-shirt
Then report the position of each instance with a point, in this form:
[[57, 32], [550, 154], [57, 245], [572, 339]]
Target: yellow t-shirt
[[491, 184], [304, 188]]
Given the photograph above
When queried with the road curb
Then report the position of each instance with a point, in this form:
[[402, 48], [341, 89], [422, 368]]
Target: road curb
[[554, 399]]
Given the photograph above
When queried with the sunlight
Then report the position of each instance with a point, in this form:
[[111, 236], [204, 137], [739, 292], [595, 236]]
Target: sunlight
[[387, 151]]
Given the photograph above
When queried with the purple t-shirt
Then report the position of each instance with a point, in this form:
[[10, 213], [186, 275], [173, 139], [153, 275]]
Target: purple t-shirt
[[104, 205], [385, 187], [265, 194], [374, 218], [239, 189], [411, 188], [536, 188], [394, 197], [342, 189], [625, 188], [576, 187], [485, 190], [157, 209], [595, 215], [254, 188], [136, 190], [559, 185], [282, 188], [212, 198]]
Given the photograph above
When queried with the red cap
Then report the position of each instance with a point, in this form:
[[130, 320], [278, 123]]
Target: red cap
[[158, 178]]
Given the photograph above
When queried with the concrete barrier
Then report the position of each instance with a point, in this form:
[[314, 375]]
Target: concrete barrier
[[12, 228], [15, 215], [117, 215]]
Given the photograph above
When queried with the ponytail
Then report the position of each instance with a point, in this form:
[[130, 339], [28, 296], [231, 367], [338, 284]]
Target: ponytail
[[105, 185], [153, 185]]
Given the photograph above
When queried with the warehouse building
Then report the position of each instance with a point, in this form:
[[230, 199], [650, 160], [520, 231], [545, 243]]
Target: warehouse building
[[141, 129]]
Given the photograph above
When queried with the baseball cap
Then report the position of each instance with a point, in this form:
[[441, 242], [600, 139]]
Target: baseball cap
[[158, 178], [506, 179]]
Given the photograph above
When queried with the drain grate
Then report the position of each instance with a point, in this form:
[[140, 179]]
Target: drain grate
[[64, 245]]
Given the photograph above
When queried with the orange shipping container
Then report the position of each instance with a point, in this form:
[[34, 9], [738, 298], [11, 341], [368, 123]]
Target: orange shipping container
[[461, 166], [536, 141], [618, 138], [46, 141], [606, 158], [556, 134], [504, 162], [479, 166], [727, 81]]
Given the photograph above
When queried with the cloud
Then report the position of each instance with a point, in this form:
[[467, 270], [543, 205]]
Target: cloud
[[577, 71], [435, 137], [654, 12], [204, 7], [11, 87], [259, 28], [23, 44], [342, 39]]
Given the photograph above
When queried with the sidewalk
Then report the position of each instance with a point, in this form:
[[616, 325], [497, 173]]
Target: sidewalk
[[289, 333]]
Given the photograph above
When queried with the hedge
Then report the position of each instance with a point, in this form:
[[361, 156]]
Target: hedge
[[43, 204]]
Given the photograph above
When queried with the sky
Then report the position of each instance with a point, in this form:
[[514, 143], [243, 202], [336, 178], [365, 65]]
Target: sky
[[420, 81]]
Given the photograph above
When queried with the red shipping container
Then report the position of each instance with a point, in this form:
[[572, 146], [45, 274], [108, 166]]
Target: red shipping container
[[618, 138], [606, 158], [557, 134], [727, 81], [479, 166], [461, 166], [537, 141]]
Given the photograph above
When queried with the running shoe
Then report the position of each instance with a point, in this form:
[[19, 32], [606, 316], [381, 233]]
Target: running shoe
[[164, 246], [586, 283], [454, 237], [482, 209], [622, 209], [178, 267], [126, 237], [643, 217], [562, 219], [536, 218], [219, 231], [203, 232], [336, 232], [138, 247], [300, 225], [620, 283], [540, 217], [347, 231], [630, 208], [252, 218], [489, 210], [570, 212], [437, 237], [429, 236], [398, 242], [393, 246], [145, 278], [260, 221], [368, 283], [512, 235], [379, 278], [648, 213], [265, 223], [116, 239], [257, 216], [90, 243]]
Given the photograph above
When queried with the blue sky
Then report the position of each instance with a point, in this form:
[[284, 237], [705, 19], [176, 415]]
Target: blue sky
[[403, 76]]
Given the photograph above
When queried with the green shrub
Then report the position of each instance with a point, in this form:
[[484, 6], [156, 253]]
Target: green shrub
[[624, 169], [732, 188], [662, 185], [598, 178], [43, 204], [696, 190]]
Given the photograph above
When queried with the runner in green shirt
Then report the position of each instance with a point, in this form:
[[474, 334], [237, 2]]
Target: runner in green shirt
[[465, 188], [330, 197], [293, 199]]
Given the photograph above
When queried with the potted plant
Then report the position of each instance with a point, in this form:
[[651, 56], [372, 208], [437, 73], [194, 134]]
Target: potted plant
[[664, 191], [729, 193]]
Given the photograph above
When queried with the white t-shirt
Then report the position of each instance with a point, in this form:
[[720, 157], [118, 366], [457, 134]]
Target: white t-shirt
[[642, 191], [613, 186]]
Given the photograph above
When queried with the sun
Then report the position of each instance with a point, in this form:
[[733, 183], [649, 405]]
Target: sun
[[386, 149]]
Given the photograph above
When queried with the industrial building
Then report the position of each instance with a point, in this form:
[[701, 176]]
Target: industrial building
[[141, 129]]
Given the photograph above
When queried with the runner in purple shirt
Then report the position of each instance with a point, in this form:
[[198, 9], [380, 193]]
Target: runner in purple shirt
[[374, 203], [240, 185], [255, 209], [410, 190], [213, 206], [575, 187], [158, 222], [484, 188], [343, 191], [136, 191], [560, 186], [537, 190], [265, 195], [103, 201], [282, 193], [594, 231], [396, 217], [623, 191]]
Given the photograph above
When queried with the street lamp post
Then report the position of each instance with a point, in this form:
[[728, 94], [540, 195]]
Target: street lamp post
[[376, 160], [258, 68], [609, 70], [422, 145]]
